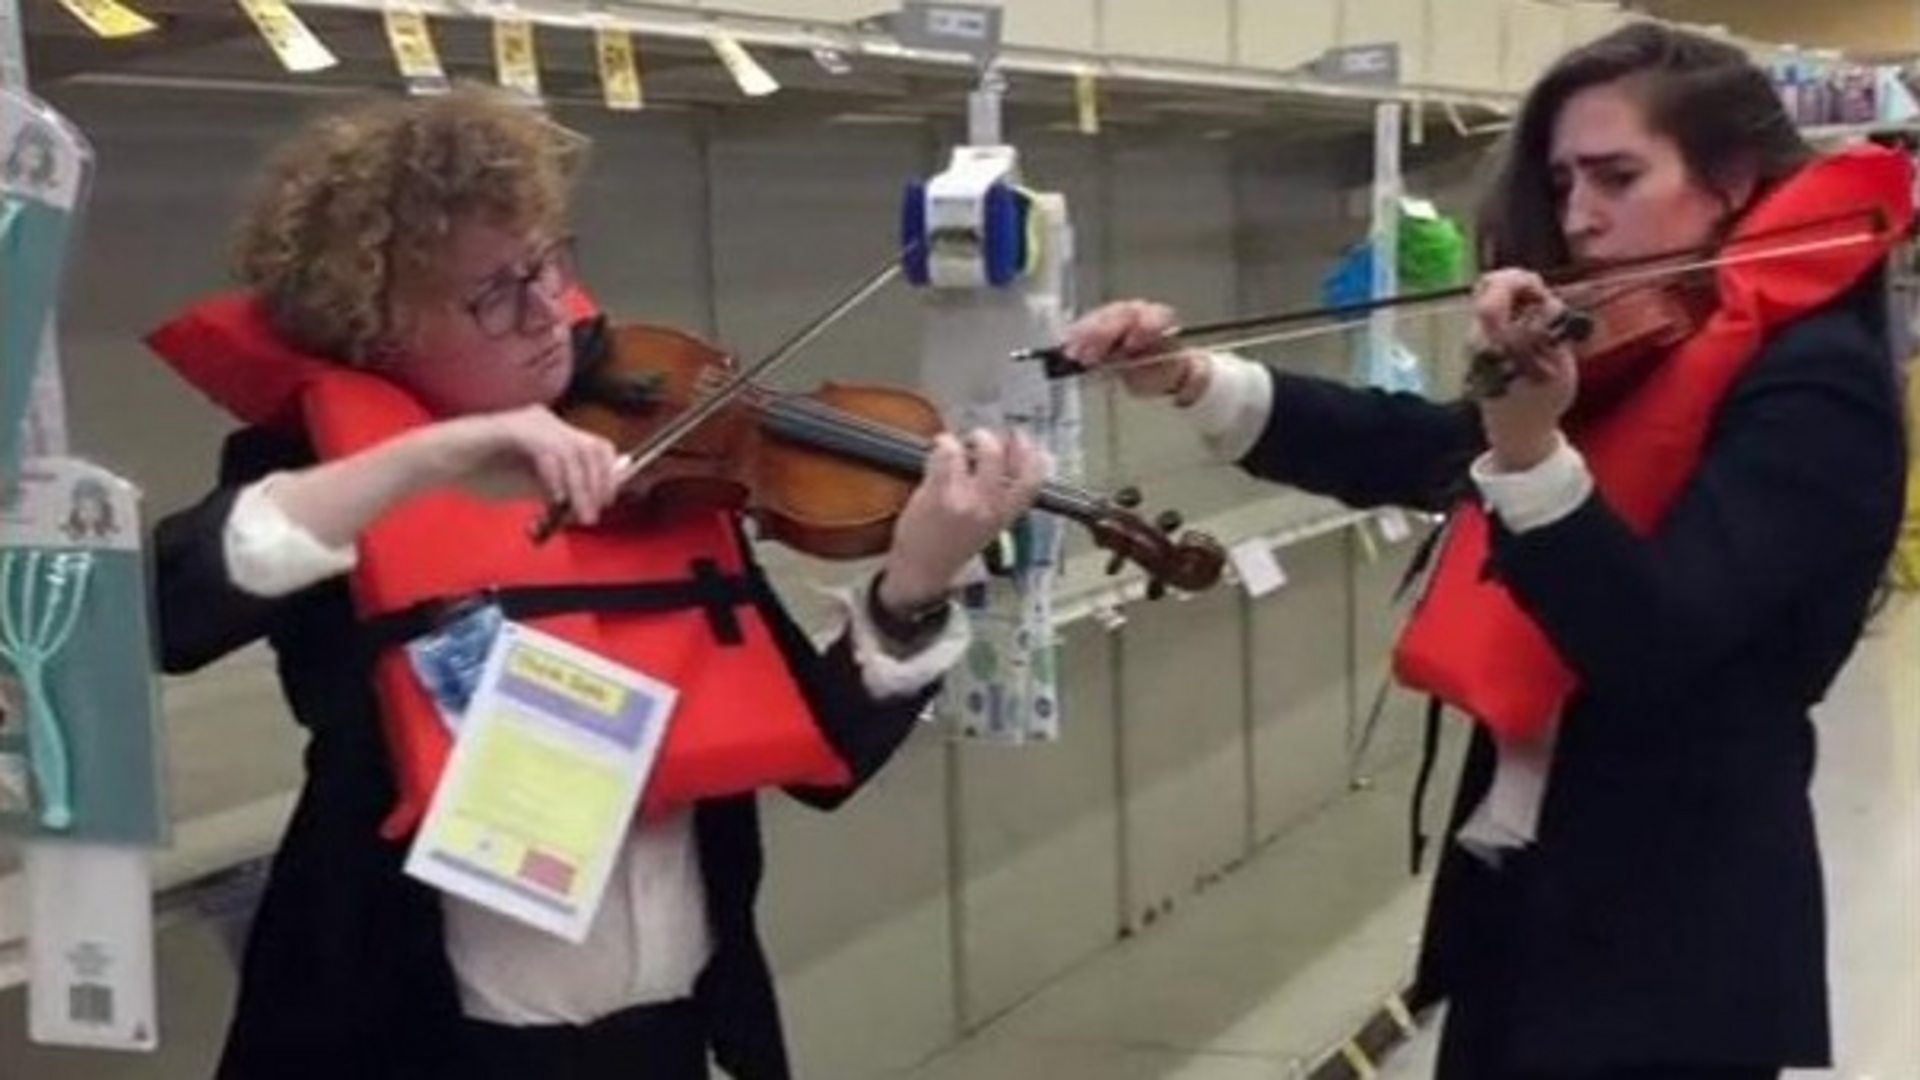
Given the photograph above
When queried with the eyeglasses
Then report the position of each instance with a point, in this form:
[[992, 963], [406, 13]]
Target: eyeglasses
[[506, 306]]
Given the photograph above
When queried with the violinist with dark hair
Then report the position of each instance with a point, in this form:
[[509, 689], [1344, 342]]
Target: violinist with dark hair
[[409, 323], [1655, 562]]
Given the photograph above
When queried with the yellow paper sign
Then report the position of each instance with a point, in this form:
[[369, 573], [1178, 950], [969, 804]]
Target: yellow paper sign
[[514, 56], [1086, 97], [532, 795], [413, 51], [555, 746], [287, 36], [619, 69], [109, 18], [752, 79]]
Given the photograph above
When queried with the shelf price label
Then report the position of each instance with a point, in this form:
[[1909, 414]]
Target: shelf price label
[[514, 56], [109, 18], [619, 69], [413, 51], [752, 79], [1086, 99], [296, 46]]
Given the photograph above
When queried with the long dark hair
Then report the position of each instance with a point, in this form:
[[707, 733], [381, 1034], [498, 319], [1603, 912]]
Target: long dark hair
[[1705, 95]]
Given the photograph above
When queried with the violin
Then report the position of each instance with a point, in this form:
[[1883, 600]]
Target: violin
[[1608, 331], [826, 472]]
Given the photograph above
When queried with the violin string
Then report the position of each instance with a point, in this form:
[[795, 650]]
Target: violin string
[[798, 418], [907, 449], [915, 449], [634, 461], [1452, 301], [817, 422]]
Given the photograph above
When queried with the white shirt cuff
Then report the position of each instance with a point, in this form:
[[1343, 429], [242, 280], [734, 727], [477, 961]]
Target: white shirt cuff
[[1539, 496], [268, 554], [1232, 413], [887, 676], [1508, 818]]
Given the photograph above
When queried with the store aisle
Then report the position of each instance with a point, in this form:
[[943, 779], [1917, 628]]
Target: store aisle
[[1143, 1010]]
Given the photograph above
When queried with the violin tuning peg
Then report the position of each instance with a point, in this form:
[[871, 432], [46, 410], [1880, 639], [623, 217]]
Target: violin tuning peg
[[1169, 521], [1114, 564], [1156, 589], [1573, 326], [1128, 498], [998, 556]]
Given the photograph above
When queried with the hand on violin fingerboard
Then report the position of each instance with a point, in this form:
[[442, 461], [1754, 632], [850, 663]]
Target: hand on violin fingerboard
[[974, 488]]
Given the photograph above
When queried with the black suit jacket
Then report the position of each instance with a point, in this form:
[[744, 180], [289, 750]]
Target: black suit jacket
[[345, 973], [1671, 909]]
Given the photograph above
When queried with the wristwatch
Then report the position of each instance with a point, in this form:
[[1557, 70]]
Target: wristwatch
[[909, 632]]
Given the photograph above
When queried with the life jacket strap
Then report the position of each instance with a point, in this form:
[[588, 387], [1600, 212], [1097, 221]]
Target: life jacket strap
[[707, 587]]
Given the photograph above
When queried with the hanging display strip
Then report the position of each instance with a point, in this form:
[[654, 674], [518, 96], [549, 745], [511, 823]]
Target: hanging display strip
[[46, 428], [13, 49], [94, 776], [81, 750], [44, 166]]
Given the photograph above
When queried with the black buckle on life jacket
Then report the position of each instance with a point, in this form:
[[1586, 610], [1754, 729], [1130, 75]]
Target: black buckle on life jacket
[[709, 588], [719, 598]]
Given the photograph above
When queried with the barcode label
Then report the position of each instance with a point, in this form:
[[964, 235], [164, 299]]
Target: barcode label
[[90, 1003]]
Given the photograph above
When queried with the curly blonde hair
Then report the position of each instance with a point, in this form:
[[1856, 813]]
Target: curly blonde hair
[[356, 210]]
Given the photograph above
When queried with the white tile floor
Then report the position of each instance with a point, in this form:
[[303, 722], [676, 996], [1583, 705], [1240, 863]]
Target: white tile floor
[[1191, 1000]]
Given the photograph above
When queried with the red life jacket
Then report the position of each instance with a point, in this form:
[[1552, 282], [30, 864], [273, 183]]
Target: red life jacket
[[741, 722], [1468, 643]]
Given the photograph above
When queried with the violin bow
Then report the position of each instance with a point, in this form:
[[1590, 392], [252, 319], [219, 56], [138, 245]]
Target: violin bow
[[636, 459], [1248, 331]]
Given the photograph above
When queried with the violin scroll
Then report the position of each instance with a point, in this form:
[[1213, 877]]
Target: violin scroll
[[1192, 562]]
